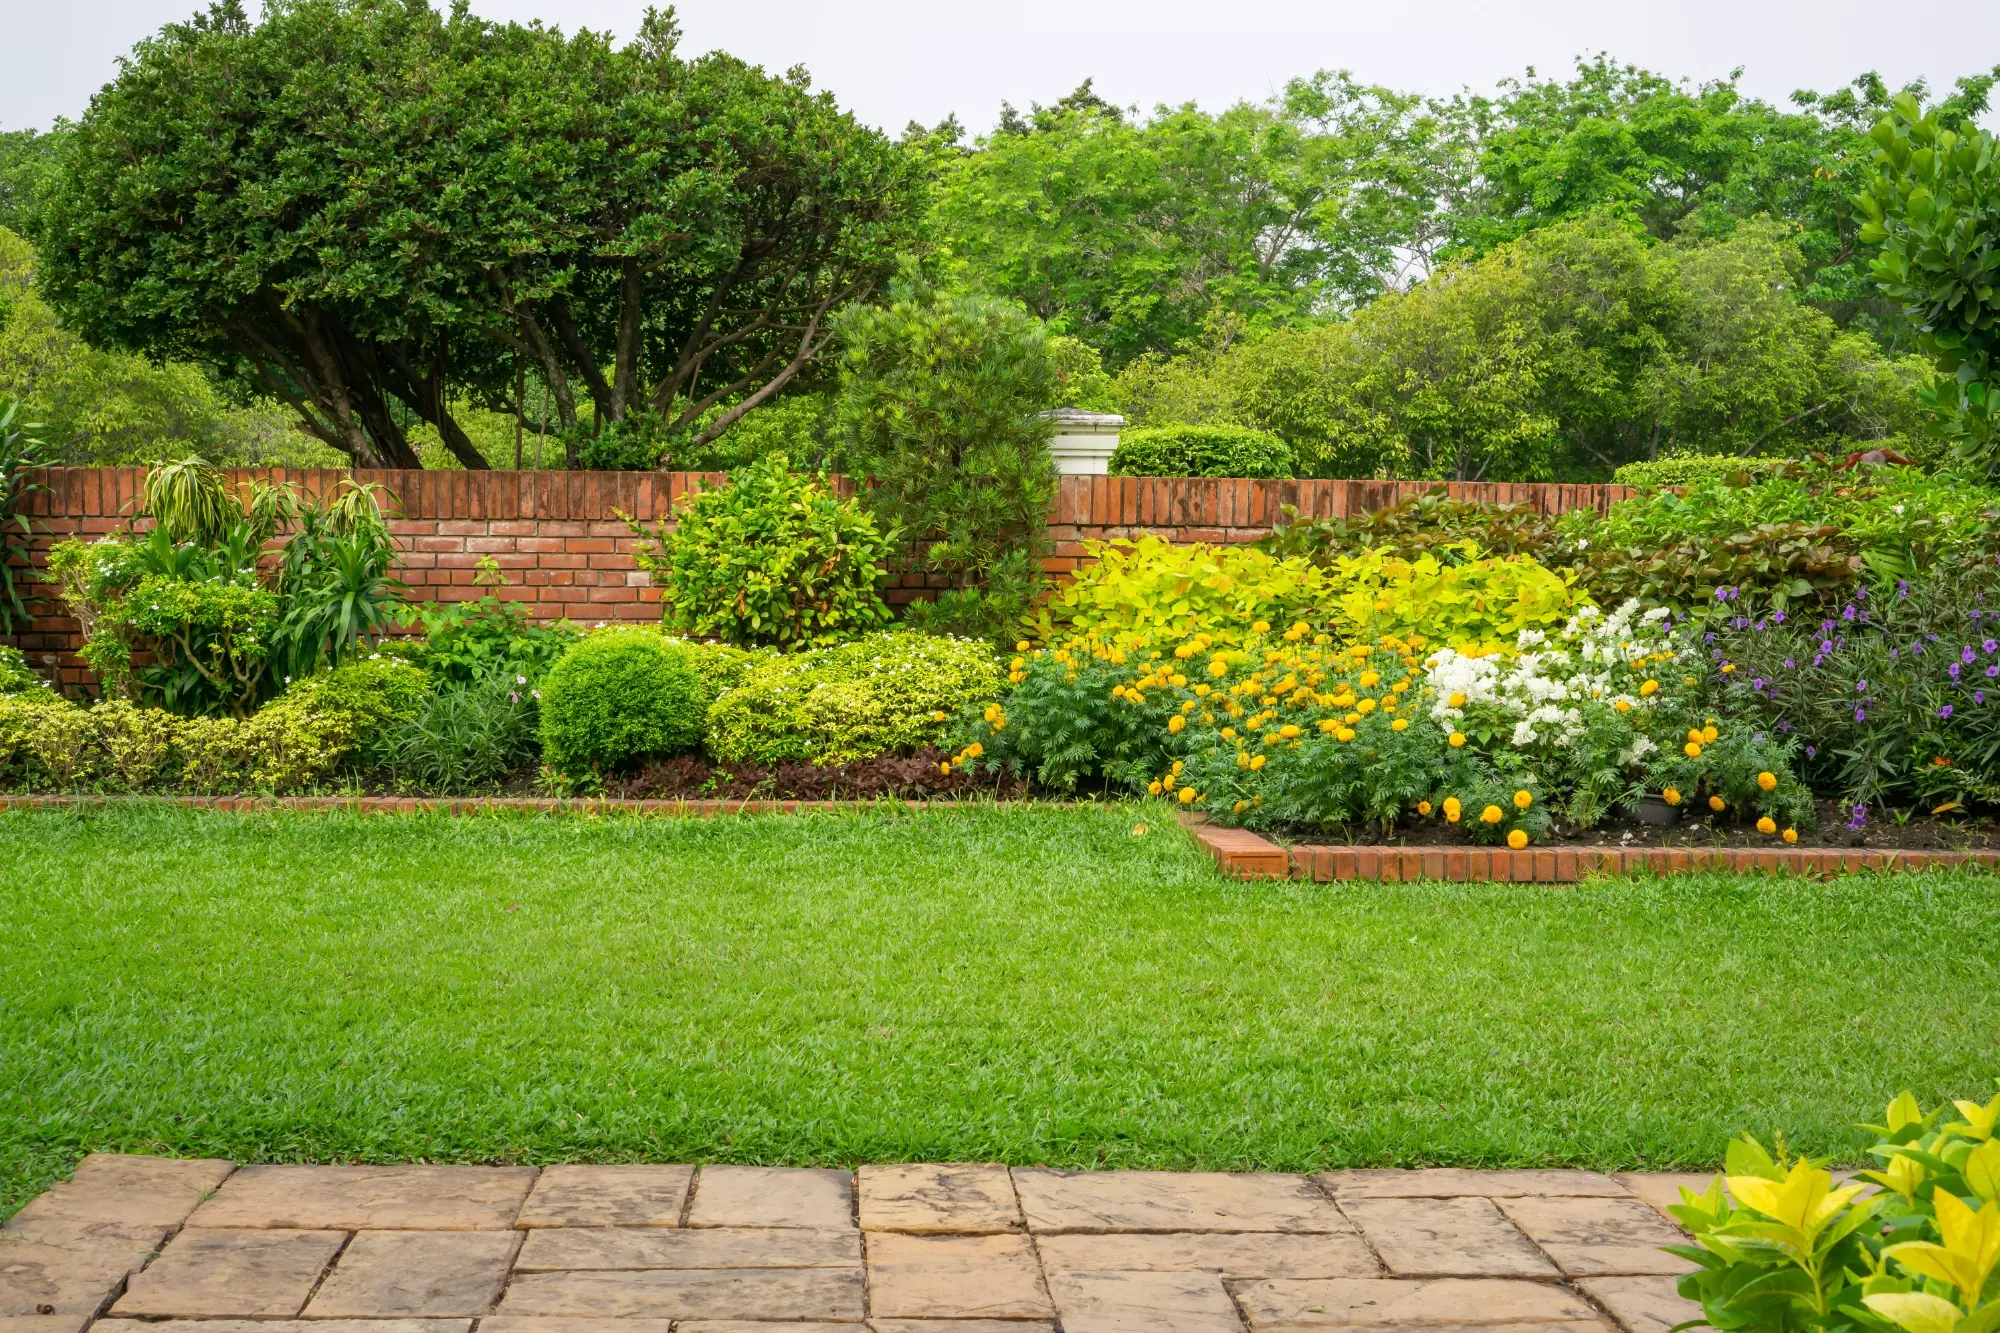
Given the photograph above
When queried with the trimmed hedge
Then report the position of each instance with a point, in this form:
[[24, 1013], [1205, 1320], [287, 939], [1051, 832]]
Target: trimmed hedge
[[1687, 470], [617, 697], [1201, 451]]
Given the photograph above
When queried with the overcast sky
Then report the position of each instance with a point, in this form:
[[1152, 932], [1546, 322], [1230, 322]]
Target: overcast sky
[[892, 61]]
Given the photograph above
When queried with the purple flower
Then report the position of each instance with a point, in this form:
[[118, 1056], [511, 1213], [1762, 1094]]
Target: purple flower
[[1952, 671], [1789, 666], [1945, 711], [1811, 750], [1892, 654], [1784, 726], [1860, 820], [1902, 589], [1759, 627], [1777, 617], [1708, 638], [1722, 594], [1979, 696], [1993, 670], [1967, 656], [1757, 683], [1847, 613], [1860, 715], [1817, 659], [1861, 686], [1826, 645], [1990, 645]]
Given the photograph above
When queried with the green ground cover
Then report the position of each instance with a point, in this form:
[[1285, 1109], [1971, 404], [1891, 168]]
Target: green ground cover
[[1026, 985]]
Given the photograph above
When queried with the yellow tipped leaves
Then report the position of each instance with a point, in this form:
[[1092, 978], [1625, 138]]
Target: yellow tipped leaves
[[1970, 1250], [1914, 1311], [1804, 1200]]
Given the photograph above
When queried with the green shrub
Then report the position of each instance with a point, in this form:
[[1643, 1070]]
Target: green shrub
[[1688, 470], [1786, 1249], [615, 698], [1201, 451], [465, 641], [297, 742], [888, 693], [1152, 587], [1428, 522], [773, 557], [466, 737], [1479, 603], [16, 676]]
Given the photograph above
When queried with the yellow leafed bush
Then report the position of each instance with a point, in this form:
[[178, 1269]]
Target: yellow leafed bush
[[1479, 606], [1153, 587]]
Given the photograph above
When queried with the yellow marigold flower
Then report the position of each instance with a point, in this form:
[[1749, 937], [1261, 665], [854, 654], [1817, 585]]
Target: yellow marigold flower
[[1185, 650], [992, 711], [1351, 719], [937, 715], [1118, 691], [1490, 815], [1239, 807], [1649, 688], [1400, 724], [1327, 725], [1368, 679], [1457, 699], [1322, 640], [1401, 686], [1187, 795], [1767, 781], [1153, 788], [1178, 766], [1288, 731], [1256, 761], [1522, 800], [1451, 809], [1021, 647], [1457, 739], [1202, 691], [944, 766], [1177, 680], [1767, 825], [1134, 697], [1365, 707], [1017, 664], [1518, 839], [1176, 723], [1671, 796], [1708, 734], [1621, 705], [1728, 667], [1345, 734], [1260, 627], [1423, 807], [1229, 733], [1692, 749], [1715, 803], [1790, 835], [1218, 667], [1694, 735], [1242, 759], [1189, 705], [974, 750]]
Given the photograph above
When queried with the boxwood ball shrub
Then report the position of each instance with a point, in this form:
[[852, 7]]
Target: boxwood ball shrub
[[887, 693], [614, 698], [1201, 451]]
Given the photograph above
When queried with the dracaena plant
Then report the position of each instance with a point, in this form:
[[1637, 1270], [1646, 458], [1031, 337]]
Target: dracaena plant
[[1788, 1250]]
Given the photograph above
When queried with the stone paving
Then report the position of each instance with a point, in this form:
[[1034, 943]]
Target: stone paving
[[153, 1245]]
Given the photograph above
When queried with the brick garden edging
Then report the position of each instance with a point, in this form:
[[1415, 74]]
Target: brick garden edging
[[1245, 855]]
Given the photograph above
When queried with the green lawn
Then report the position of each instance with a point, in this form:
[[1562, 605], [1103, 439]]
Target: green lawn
[[1027, 985]]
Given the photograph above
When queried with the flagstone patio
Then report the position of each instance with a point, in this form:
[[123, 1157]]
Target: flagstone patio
[[153, 1245]]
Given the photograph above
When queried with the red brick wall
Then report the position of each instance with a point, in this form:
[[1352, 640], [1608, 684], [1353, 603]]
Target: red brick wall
[[565, 551]]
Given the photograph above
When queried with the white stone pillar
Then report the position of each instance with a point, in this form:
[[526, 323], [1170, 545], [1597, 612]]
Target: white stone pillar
[[1083, 441]]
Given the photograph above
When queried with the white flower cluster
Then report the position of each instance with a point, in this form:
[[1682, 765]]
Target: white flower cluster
[[1544, 685]]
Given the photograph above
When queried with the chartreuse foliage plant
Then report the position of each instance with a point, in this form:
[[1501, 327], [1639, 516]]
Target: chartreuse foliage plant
[[615, 698], [888, 693], [1154, 587], [1785, 1250], [772, 557], [1479, 604], [299, 741]]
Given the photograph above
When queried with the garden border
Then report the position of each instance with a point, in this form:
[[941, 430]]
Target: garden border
[[1240, 853]]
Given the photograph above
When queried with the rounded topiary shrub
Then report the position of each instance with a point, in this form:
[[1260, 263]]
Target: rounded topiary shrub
[[1201, 451], [886, 693], [616, 697]]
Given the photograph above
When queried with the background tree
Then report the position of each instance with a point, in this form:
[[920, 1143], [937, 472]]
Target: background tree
[[940, 410]]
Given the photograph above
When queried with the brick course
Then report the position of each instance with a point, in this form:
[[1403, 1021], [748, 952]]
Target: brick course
[[567, 552]]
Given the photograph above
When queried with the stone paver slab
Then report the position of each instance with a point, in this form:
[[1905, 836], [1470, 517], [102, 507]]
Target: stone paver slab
[[1597, 1237], [123, 1191], [357, 1198], [285, 1325], [1663, 1188], [932, 1326], [956, 1200], [501, 1323], [954, 1277], [265, 1272], [1642, 1304], [585, 1248], [694, 1293], [1447, 1238], [1059, 1201], [760, 1326], [1242, 1254], [43, 1275], [1450, 1182], [43, 1323], [416, 1274], [1130, 1302], [1336, 1302], [608, 1196], [772, 1196]]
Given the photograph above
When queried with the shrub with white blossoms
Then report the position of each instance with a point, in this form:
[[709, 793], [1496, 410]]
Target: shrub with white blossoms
[[1570, 709]]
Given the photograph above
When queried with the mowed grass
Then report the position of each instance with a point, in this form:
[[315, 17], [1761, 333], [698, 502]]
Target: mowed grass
[[1030, 985]]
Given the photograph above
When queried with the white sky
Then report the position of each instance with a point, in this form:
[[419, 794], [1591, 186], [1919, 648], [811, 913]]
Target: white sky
[[896, 60]]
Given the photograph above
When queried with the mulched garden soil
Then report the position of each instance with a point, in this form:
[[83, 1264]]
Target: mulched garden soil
[[912, 777], [1881, 833]]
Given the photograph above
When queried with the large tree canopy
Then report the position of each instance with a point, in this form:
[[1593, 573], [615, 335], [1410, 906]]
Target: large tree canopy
[[368, 210]]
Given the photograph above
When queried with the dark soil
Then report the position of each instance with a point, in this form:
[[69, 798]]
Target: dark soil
[[1880, 833], [912, 777]]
